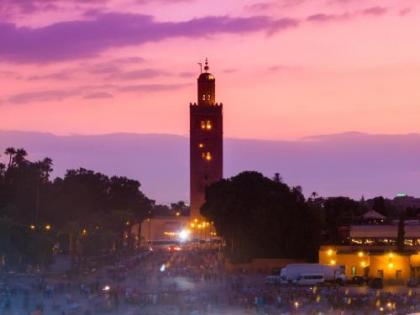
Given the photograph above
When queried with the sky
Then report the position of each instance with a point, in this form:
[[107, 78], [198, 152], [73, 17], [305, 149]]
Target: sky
[[285, 69]]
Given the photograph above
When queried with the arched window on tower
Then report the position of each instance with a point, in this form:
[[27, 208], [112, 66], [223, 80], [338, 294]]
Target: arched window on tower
[[206, 125], [206, 156]]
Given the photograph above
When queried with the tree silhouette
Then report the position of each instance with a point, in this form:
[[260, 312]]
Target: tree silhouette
[[261, 217]]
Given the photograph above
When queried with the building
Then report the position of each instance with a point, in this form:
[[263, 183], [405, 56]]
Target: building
[[374, 262], [206, 141], [206, 167], [371, 251], [161, 229]]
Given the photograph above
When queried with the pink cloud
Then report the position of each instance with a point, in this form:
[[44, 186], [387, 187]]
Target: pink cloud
[[375, 11], [87, 38]]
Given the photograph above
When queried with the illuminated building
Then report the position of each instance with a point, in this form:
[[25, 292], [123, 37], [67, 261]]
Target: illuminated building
[[163, 228], [206, 141], [369, 249], [373, 262]]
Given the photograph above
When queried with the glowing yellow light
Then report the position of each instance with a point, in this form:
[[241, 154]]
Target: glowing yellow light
[[390, 255], [330, 252], [360, 254], [390, 265], [84, 232], [206, 125], [32, 227], [192, 225], [195, 220], [48, 227], [201, 145], [127, 223], [296, 304], [178, 214], [363, 264], [332, 262], [207, 156]]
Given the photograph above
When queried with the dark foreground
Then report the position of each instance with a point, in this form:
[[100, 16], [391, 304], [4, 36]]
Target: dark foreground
[[188, 282]]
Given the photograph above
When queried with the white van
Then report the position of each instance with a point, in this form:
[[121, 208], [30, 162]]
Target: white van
[[310, 279], [292, 272]]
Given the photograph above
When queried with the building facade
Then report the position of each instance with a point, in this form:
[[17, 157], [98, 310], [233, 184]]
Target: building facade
[[372, 251], [374, 262], [206, 141]]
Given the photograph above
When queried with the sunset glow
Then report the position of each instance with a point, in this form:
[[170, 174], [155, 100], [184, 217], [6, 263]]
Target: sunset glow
[[295, 68]]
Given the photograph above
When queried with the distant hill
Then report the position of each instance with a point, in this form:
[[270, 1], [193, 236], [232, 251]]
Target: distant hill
[[352, 164]]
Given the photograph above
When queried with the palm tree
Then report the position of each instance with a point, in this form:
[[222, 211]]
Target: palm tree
[[11, 153], [20, 156]]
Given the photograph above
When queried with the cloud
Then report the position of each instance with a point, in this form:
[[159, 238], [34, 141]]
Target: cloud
[[261, 6], [87, 38], [138, 74], [272, 5], [321, 17], [187, 74], [56, 76], [405, 11], [89, 92], [375, 11], [143, 2], [41, 96], [151, 87], [98, 95], [285, 68], [10, 8]]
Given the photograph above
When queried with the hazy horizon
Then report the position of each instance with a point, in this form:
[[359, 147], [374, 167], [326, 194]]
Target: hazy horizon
[[349, 164]]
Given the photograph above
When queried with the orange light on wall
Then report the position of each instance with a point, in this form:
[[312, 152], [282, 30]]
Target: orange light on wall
[[201, 145], [206, 125], [206, 156]]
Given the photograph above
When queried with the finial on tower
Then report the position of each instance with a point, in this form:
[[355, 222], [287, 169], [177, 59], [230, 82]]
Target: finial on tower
[[206, 67]]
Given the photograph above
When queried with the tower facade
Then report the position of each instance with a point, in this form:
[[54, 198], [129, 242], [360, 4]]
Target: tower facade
[[206, 140]]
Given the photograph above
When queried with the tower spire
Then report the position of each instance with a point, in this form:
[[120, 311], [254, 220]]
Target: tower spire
[[206, 67]]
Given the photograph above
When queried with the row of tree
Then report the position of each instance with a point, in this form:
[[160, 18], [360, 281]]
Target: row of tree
[[84, 212], [262, 217]]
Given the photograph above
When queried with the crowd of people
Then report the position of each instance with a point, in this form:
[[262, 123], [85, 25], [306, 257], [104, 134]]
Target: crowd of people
[[187, 281]]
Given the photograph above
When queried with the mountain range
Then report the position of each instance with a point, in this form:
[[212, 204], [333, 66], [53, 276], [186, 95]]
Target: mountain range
[[350, 164]]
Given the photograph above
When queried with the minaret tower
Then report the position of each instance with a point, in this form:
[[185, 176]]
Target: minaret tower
[[206, 140]]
